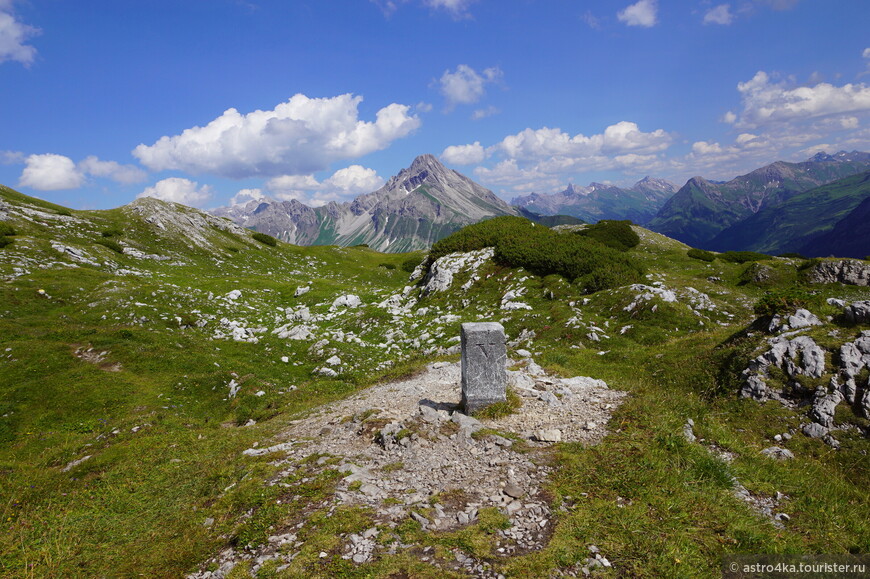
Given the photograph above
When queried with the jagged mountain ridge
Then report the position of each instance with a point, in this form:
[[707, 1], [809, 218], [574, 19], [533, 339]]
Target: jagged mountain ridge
[[702, 209], [415, 208], [639, 203]]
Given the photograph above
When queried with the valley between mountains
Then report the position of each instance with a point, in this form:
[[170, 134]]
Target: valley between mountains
[[273, 392]]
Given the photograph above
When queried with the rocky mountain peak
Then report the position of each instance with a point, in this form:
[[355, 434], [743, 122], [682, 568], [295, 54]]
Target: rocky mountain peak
[[653, 184], [822, 156]]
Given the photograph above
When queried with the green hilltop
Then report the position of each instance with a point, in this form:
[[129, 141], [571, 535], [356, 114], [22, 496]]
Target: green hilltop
[[152, 356]]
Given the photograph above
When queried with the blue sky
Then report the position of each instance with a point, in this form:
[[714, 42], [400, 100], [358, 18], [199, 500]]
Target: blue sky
[[210, 102]]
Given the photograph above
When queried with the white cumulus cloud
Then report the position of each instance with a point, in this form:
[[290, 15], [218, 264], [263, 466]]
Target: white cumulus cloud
[[297, 137], [125, 174], [766, 102], [464, 154], [465, 85], [622, 137], [342, 185], [179, 190], [50, 172], [14, 35], [720, 14], [246, 195], [642, 13], [354, 180], [545, 159]]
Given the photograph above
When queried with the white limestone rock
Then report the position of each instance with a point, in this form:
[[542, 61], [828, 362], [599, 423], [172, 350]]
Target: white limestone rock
[[441, 272], [346, 301]]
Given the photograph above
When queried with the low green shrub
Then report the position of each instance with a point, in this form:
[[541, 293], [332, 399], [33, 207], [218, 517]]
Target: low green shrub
[[387, 265], [781, 301], [701, 254], [792, 255], [111, 244], [616, 234], [805, 265], [265, 239], [518, 242], [6, 229], [743, 256], [114, 232], [410, 264], [4, 241]]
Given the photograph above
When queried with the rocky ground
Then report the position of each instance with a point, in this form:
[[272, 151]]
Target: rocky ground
[[406, 451]]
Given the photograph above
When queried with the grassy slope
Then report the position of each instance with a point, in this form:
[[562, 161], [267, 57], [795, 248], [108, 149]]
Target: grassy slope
[[655, 504], [702, 210], [794, 223]]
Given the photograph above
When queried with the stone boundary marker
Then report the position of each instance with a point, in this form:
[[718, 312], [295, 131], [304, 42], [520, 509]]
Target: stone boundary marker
[[484, 356]]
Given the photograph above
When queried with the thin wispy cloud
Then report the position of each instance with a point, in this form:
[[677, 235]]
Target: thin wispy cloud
[[720, 14], [14, 36], [465, 86]]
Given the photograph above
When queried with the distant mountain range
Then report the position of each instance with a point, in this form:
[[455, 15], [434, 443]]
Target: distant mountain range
[[822, 221], [640, 203], [417, 207], [815, 207], [702, 211]]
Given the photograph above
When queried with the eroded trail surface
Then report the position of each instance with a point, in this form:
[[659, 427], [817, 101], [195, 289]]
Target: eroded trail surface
[[406, 451]]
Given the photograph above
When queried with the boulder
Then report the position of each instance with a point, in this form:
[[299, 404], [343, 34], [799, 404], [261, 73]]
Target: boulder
[[824, 406], [857, 312], [814, 430], [811, 355], [800, 319], [346, 301], [846, 271], [548, 435], [301, 290], [778, 453], [441, 272]]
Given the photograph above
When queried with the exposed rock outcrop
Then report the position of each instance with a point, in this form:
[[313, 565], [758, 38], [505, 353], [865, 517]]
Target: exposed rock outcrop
[[846, 271]]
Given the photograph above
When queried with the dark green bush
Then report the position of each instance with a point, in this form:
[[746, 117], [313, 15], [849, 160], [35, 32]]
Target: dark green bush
[[111, 244], [701, 254], [782, 301], [112, 233], [483, 234], [387, 265], [265, 239], [410, 264], [4, 241], [809, 263], [232, 249], [743, 256], [792, 255], [64, 212], [6, 229], [616, 234], [520, 243]]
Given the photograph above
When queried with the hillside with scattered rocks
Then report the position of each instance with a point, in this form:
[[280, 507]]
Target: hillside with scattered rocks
[[182, 397]]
